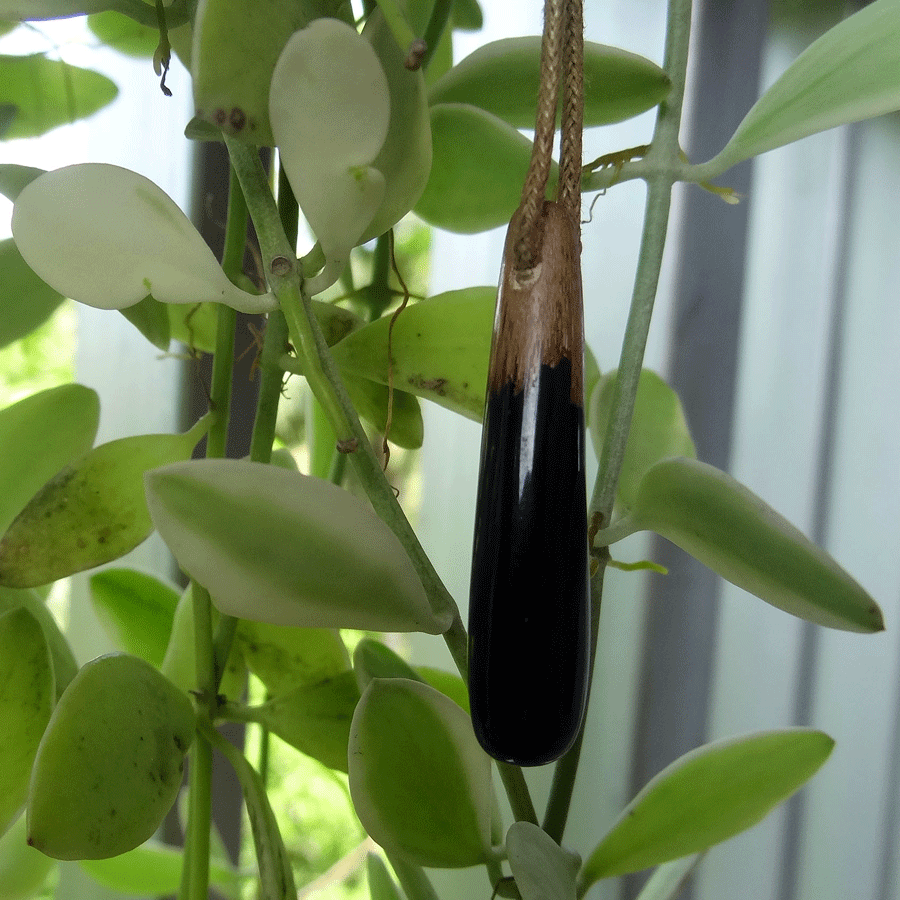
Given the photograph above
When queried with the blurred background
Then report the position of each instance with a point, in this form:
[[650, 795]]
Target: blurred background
[[777, 322]]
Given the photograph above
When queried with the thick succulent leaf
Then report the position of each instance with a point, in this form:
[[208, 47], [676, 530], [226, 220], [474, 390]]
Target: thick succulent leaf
[[49, 9], [110, 763], [467, 15], [124, 34], [179, 664], [440, 348], [658, 429], [154, 870], [404, 160], [330, 108], [314, 718], [728, 528], [371, 402], [14, 178], [91, 512], [25, 301], [850, 73], [420, 783], [478, 169], [284, 658], [39, 436], [26, 700], [542, 869], [236, 46], [64, 665], [137, 611], [503, 78], [707, 796], [276, 546], [49, 92], [130, 240], [151, 318], [373, 659], [23, 870], [195, 325]]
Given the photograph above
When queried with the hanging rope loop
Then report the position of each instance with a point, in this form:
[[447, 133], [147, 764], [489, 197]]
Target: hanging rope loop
[[562, 55]]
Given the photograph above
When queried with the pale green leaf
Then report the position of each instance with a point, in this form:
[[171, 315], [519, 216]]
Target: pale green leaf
[[707, 796], [129, 241], [503, 78], [137, 611], [25, 301], [49, 92], [26, 701], [420, 783], [542, 869], [850, 73]]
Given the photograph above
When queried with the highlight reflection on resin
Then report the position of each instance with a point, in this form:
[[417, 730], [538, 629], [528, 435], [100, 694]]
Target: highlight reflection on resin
[[529, 608]]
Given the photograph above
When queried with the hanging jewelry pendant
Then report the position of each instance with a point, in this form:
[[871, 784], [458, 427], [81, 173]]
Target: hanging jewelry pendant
[[529, 618]]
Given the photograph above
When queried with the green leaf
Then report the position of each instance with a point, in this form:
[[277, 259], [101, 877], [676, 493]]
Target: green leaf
[[137, 611], [448, 683], [49, 92], [64, 665], [124, 34], [440, 348], [707, 796], [154, 870], [129, 241], [542, 869], [25, 301], [151, 318], [330, 108], [110, 763], [276, 546], [850, 73], [14, 178], [314, 718], [420, 783], [503, 78], [180, 662], [467, 15], [658, 429], [195, 325], [371, 402], [39, 435], [23, 870], [91, 512], [372, 659], [728, 528], [478, 169], [284, 658], [405, 156], [236, 46], [26, 701], [381, 885]]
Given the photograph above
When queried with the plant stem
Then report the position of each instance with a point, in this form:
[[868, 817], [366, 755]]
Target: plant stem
[[324, 380], [434, 30], [664, 151], [212, 653], [665, 154]]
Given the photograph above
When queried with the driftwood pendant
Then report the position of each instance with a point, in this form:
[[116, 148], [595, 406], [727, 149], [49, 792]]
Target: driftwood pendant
[[529, 618]]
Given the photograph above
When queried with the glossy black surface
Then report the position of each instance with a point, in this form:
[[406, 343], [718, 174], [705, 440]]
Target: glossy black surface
[[529, 611]]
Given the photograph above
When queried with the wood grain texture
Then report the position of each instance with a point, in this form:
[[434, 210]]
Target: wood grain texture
[[539, 319]]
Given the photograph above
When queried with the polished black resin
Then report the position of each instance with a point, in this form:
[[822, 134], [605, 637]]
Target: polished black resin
[[529, 608]]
